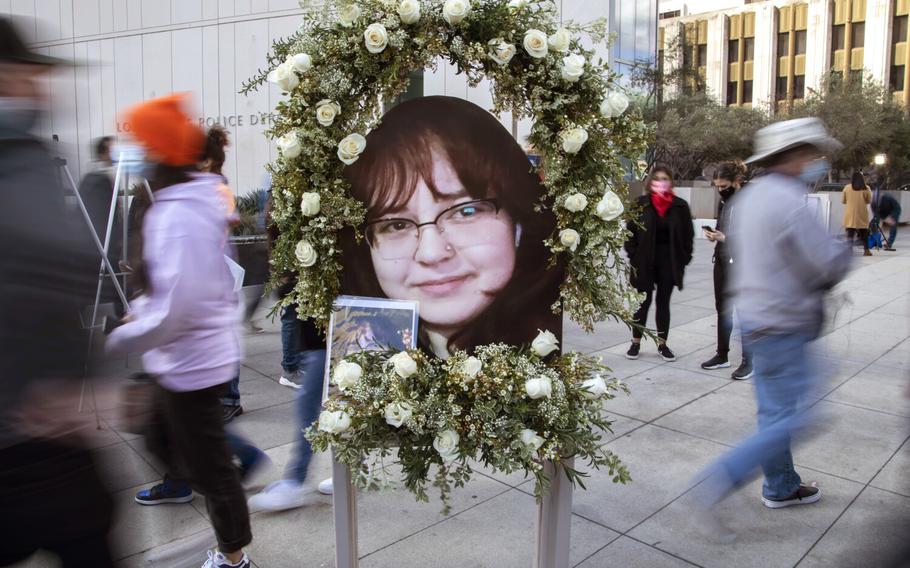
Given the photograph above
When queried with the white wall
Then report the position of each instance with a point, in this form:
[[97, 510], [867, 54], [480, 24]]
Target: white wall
[[127, 51]]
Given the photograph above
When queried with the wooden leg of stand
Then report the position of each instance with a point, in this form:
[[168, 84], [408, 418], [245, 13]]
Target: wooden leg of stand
[[554, 521], [344, 498]]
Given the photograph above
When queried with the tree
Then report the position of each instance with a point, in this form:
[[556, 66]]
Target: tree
[[861, 114]]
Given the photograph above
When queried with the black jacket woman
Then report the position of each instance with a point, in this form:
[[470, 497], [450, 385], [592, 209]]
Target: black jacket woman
[[728, 180], [659, 249]]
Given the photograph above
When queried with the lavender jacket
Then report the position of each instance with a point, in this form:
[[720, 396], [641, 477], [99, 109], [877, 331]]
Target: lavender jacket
[[186, 326]]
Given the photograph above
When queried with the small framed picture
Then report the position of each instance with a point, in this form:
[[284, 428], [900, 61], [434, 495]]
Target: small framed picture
[[368, 324]]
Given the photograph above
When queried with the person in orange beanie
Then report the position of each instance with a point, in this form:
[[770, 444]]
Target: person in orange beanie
[[184, 324]]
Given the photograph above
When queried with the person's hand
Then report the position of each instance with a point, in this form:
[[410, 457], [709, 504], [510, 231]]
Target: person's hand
[[719, 236]]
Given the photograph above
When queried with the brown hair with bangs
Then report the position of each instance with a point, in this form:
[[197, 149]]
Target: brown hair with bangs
[[490, 164]]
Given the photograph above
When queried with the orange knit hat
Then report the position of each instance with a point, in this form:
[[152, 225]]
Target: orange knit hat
[[169, 135]]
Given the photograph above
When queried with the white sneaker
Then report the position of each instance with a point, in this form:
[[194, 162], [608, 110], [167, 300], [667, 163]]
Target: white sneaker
[[279, 496], [218, 560], [286, 382], [325, 487]]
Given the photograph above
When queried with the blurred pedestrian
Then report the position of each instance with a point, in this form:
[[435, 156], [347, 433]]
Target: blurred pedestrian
[[291, 325], [856, 198], [185, 323], [728, 180], [51, 496], [887, 210], [659, 249], [785, 263]]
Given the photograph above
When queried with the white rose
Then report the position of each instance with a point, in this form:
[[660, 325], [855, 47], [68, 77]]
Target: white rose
[[289, 145], [455, 11], [334, 421], [501, 51], [610, 206], [545, 343], [285, 77], [351, 147], [409, 11], [346, 375], [306, 254], [539, 388], [471, 366], [348, 15], [376, 38], [569, 239], [516, 6], [594, 387], [531, 439], [300, 63], [576, 202], [446, 443], [397, 413], [326, 111], [404, 365], [310, 203], [573, 67], [614, 104], [535, 44], [573, 139], [560, 40]]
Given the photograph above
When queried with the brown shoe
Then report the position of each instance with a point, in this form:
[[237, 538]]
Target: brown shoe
[[867, 253]]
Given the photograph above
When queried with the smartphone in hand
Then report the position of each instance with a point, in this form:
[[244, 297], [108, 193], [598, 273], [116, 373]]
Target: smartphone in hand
[[708, 228]]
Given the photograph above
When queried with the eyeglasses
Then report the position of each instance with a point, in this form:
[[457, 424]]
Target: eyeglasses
[[463, 225]]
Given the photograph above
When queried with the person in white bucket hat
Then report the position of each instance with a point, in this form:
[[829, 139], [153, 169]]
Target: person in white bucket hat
[[786, 261]]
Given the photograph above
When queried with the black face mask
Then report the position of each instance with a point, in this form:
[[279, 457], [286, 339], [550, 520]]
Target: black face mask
[[726, 194]]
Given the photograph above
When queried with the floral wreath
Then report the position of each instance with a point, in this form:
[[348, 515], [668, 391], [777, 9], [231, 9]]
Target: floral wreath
[[510, 407]]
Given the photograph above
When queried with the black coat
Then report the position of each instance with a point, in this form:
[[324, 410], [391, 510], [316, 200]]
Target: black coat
[[642, 243]]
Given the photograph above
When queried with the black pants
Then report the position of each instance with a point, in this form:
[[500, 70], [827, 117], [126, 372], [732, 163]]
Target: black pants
[[724, 309], [663, 281], [51, 498], [863, 235], [187, 435]]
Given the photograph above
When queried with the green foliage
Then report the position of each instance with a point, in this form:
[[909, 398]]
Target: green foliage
[[489, 411], [861, 114]]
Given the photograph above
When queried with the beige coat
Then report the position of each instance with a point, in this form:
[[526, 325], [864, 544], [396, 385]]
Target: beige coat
[[856, 212]]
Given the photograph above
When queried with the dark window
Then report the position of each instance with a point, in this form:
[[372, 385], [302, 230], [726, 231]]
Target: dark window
[[783, 44], [667, 15], [800, 42], [838, 37], [687, 56], [749, 48], [900, 29], [799, 87], [747, 92], [733, 50], [859, 34], [702, 55], [897, 78], [731, 92], [780, 92], [856, 76]]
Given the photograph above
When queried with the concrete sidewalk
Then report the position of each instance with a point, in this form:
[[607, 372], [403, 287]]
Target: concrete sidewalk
[[677, 420]]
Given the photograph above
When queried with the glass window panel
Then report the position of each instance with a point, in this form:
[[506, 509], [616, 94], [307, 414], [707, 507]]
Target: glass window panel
[[897, 78], [799, 87], [731, 93], [780, 92], [747, 92], [702, 55], [749, 48], [733, 50], [859, 34], [838, 37], [900, 29], [801, 42], [783, 44]]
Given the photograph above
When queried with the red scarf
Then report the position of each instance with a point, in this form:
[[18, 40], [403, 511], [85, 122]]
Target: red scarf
[[661, 196]]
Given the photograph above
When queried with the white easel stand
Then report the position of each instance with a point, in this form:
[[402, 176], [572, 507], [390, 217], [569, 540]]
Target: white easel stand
[[554, 519]]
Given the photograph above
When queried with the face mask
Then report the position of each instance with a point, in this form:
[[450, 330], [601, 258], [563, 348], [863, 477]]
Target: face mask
[[814, 171], [727, 193], [18, 114], [660, 186]]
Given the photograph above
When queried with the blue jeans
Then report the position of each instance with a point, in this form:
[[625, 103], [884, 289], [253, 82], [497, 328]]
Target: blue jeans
[[232, 396], [307, 406], [291, 337], [784, 377]]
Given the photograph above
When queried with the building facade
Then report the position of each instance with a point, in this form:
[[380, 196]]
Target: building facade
[[127, 51], [768, 53]]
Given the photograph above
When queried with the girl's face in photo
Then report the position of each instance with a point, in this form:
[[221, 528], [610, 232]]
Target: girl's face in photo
[[448, 251]]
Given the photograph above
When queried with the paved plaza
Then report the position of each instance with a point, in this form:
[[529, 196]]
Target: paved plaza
[[677, 419]]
